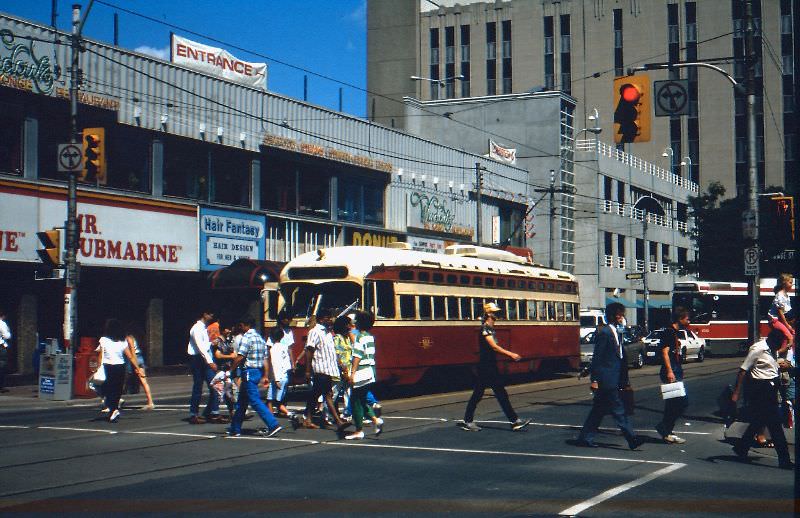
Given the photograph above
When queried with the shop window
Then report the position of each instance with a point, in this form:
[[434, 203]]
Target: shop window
[[407, 307], [452, 308], [466, 308], [532, 309], [373, 204], [186, 171], [425, 308], [438, 308], [314, 189], [11, 124], [129, 158], [230, 176], [278, 184]]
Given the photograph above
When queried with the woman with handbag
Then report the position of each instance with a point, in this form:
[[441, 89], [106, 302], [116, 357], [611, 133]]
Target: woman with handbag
[[672, 372], [362, 375], [113, 350]]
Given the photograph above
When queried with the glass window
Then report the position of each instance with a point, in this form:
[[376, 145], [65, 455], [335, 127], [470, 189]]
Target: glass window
[[463, 279], [129, 160], [423, 276], [425, 307], [360, 201], [438, 278], [278, 184], [541, 310], [532, 309], [314, 187], [230, 176], [384, 291], [523, 310], [438, 308], [186, 168], [406, 275], [489, 281], [477, 307], [559, 311], [551, 310], [477, 281], [512, 310], [451, 279], [11, 123], [466, 308], [501, 283], [452, 308], [407, 309]]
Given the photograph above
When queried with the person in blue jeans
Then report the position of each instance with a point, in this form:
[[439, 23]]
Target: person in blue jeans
[[203, 368], [672, 371], [253, 353]]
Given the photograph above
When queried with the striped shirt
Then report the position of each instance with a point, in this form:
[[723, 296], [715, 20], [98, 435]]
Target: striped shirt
[[320, 340], [364, 350], [254, 349]]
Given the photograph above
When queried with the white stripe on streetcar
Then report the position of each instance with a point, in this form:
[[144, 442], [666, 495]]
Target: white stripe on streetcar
[[614, 491]]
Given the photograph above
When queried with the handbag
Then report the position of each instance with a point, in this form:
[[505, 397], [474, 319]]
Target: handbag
[[673, 390], [99, 376], [628, 401], [363, 377]]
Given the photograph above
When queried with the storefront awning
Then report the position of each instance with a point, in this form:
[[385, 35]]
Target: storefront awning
[[245, 273]]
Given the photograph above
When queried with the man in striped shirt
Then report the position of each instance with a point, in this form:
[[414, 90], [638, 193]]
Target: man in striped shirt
[[321, 357]]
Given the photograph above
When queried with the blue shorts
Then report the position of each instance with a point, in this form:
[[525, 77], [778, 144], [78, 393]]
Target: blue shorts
[[278, 394]]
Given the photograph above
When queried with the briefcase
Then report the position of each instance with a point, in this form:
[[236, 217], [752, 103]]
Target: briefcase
[[672, 390]]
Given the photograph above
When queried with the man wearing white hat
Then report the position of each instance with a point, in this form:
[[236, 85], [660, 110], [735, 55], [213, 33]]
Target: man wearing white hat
[[488, 375]]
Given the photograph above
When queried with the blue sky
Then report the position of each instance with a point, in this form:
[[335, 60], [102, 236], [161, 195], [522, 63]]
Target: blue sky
[[323, 37]]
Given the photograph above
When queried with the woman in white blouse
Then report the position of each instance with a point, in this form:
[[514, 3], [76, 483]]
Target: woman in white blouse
[[113, 350]]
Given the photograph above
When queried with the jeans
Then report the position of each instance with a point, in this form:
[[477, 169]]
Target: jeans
[[673, 410], [248, 395], [112, 388], [606, 401], [278, 394], [202, 373], [489, 378]]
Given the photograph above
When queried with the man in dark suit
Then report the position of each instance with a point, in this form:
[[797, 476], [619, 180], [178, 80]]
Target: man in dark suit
[[609, 373]]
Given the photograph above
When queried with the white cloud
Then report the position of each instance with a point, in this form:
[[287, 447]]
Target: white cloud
[[359, 14], [162, 53]]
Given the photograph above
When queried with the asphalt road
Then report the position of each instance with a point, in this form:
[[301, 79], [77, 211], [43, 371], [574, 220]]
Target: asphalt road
[[56, 457]]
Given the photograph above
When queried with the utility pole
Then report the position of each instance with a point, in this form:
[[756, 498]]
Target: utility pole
[[552, 192], [644, 274], [753, 284], [478, 203]]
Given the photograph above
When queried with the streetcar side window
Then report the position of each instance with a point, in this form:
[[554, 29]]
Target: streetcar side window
[[425, 307], [463, 279], [384, 299], [541, 309], [532, 309], [452, 308], [438, 278], [477, 307], [406, 275], [559, 311], [569, 315], [531, 285], [407, 307], [551, 310], [451, 278], [501, 283], [477, 281], [466, 308], [512, 309], [438, 308], [489, 281], [423, 276], [523, 310]]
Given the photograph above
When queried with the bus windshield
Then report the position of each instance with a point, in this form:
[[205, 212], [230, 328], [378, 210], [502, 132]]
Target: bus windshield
[[303, 299]]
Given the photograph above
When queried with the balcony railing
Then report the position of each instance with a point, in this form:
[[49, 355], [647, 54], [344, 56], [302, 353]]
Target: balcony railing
[[608, 261], [614, 207], [603, 149]]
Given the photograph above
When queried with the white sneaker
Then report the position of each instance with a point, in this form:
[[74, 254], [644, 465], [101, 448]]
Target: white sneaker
[[114, 416], [469, 426], [105, 410], [121, 402], [674, 439], [355, 436], [378, 426]]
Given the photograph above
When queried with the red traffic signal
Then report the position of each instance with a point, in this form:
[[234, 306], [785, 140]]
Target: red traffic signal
[[632, 106], [630, 93]]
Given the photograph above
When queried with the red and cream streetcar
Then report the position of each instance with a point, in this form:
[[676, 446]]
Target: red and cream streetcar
[[427, 305]]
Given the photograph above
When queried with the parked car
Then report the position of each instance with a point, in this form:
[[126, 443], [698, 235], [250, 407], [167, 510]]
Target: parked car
[[692, 346], [590, 319], [631, 342]]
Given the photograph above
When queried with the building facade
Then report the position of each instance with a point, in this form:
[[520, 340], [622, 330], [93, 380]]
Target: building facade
[[471, 49], [201, 171]]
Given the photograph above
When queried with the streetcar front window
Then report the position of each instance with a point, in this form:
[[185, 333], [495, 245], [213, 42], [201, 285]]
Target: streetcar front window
[[702, 308], [303, 300]]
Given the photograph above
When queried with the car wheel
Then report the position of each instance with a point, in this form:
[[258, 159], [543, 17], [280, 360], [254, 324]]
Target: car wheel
[[701, 355], [683, 355], [639, 363]]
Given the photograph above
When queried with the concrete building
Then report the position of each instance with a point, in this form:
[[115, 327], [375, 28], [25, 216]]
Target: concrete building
[[472, 49], [201, 171]]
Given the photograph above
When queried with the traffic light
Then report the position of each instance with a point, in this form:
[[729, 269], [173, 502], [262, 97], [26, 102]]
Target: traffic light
[[50, 253], [632, 112], [94, 156], [777, 224]]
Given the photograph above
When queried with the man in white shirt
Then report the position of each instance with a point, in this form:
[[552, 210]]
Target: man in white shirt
[[762, 370], [5, 342], [201, 363]]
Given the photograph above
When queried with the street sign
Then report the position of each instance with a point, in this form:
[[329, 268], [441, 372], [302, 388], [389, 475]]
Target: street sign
[[672, 97], [634, 276], [751, 261], [69, 158], [749, 224]]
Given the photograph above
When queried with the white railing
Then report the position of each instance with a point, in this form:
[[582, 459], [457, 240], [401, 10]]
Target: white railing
[[608, 261], [603, 149], [681, 225], [664, 268], [653, 267], [621, 262]]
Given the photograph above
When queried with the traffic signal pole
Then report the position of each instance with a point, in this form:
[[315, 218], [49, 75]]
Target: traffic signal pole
[[70, 261]]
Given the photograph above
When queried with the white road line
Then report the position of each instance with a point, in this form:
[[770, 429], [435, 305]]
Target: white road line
[[492, 452], [306, 441], [614, 491], [437, 419], [176, 434], [110, 432], [12, 426], [605, 429]]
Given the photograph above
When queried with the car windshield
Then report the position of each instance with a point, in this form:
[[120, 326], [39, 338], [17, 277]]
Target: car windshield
[[588, 321], [303, 300], [655, 335]]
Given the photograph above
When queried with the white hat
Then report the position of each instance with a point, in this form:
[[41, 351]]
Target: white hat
[[491, 307]]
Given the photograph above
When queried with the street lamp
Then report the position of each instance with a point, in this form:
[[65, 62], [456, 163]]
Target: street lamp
[[441, 82], [648, 205], [594, 118], [687, 162], [668, 152]]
